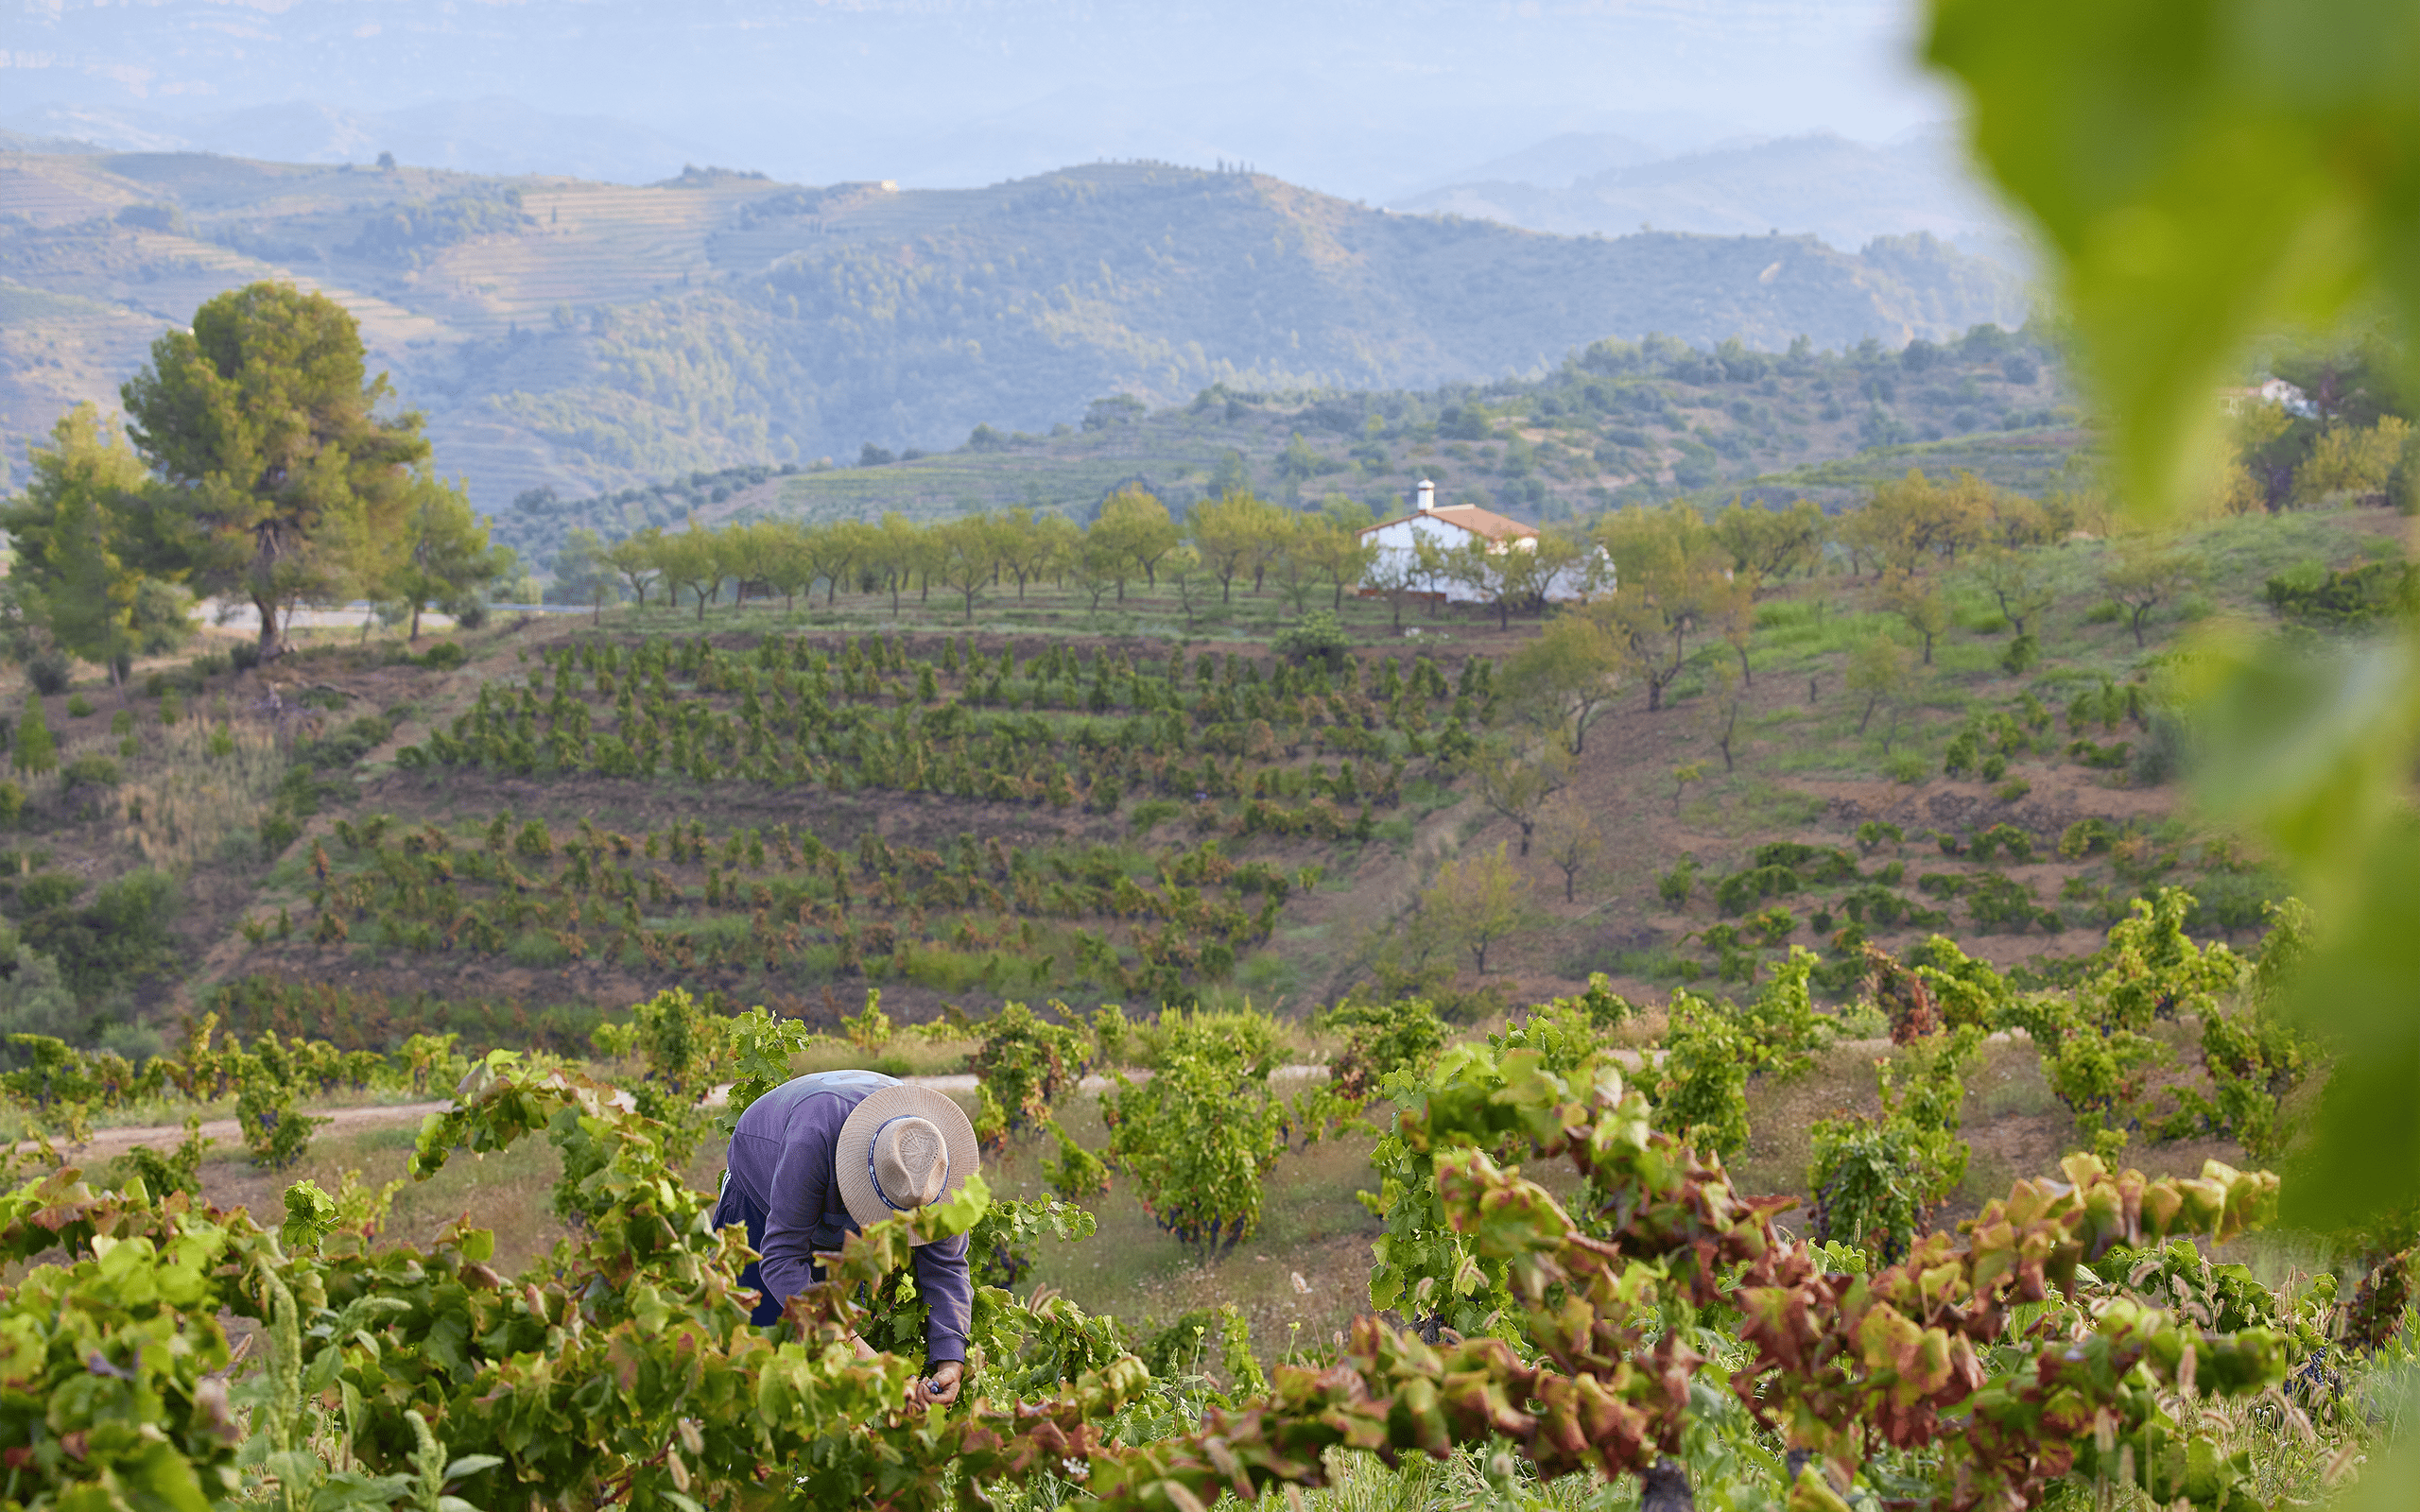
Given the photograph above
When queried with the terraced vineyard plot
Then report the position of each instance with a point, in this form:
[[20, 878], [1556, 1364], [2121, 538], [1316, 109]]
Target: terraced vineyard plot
[[1225, 771]]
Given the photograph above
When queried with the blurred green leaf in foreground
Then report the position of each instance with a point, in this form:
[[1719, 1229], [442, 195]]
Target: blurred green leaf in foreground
[[2207, 173]]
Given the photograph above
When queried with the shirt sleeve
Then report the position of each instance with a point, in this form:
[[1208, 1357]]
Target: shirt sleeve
[[795, 1199], [949, 1290]]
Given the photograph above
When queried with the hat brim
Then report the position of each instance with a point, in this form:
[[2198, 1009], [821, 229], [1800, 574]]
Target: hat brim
[[851, 1154]]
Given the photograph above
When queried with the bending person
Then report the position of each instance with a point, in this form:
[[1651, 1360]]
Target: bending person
[[820, 1157]]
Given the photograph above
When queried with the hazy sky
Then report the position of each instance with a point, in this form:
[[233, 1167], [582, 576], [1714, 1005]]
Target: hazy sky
[[1356, 97]]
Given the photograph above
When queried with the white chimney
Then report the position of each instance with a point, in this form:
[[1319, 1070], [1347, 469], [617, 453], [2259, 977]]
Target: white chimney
[[1424, 496]]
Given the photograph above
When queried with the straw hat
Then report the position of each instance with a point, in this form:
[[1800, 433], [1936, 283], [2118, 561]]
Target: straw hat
[[902, 1148]]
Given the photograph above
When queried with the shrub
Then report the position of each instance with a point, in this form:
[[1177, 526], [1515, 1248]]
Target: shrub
[[1675, 885], [1380, 1038], [277, 832], [180, 1171], [276, 1134], [50, 671], [2022, 655], [1153, 813], [1078, 1174], [1998, 902], [78, 706], [1873, 1180], [1734, 893], [34, 999], [1907, 768], [2087, 837], [1999, 837], [48, 890], [1197, 1138], [121, 932], [1028, 1063], [2101, 758], [1959, 759], [244, 654], [1814, 863], [2108, 612], [1702, 1092], [91, 771], [1773, 925], [2343, 600], [1872, 833], [12, 802], [36, 753], [1318, 639], [445, 656]]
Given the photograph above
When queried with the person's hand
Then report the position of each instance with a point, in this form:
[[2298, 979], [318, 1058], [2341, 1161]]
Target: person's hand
[[939, 1388]]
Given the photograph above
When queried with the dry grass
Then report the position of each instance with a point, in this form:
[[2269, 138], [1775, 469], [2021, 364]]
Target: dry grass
[[195, 785]]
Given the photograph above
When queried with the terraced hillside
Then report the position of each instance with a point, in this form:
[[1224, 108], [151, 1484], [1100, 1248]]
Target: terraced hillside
[[579, 335]]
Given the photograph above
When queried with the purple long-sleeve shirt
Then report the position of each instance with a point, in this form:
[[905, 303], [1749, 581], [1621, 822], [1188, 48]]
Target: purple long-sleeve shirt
[[782, 1166]]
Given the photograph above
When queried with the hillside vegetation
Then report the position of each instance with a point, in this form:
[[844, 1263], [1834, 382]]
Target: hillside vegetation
[[582, 335], [1362, 885], [1617, 423]]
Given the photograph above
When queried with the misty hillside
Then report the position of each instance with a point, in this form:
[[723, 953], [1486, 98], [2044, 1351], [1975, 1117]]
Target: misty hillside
[[1618, 424], [582, 337], [1846, 192], [494, 134]]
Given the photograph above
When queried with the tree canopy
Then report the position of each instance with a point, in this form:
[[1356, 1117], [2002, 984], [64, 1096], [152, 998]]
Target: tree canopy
[[261, 418], [87, 534]]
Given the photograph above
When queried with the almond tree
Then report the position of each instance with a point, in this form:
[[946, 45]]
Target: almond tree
[[2149, 574], [1670, 571], [1568, 675], [1475, 901]]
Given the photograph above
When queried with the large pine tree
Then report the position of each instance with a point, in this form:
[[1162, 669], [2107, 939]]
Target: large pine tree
[[260, 416]]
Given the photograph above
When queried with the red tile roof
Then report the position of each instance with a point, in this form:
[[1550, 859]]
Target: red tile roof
[[1470, 517]]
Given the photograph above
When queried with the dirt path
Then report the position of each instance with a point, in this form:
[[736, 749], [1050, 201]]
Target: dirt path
[[109, 1142]]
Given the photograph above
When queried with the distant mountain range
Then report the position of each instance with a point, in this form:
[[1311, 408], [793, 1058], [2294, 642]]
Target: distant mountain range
[[494, 135], [583, 336], [1362, 99], [1846, 192]]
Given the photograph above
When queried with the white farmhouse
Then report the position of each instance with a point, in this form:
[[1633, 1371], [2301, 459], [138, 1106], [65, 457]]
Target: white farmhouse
[[1396, 559]]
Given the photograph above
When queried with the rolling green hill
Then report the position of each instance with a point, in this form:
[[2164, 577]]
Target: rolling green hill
[[1619, 422], [583, 336]]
